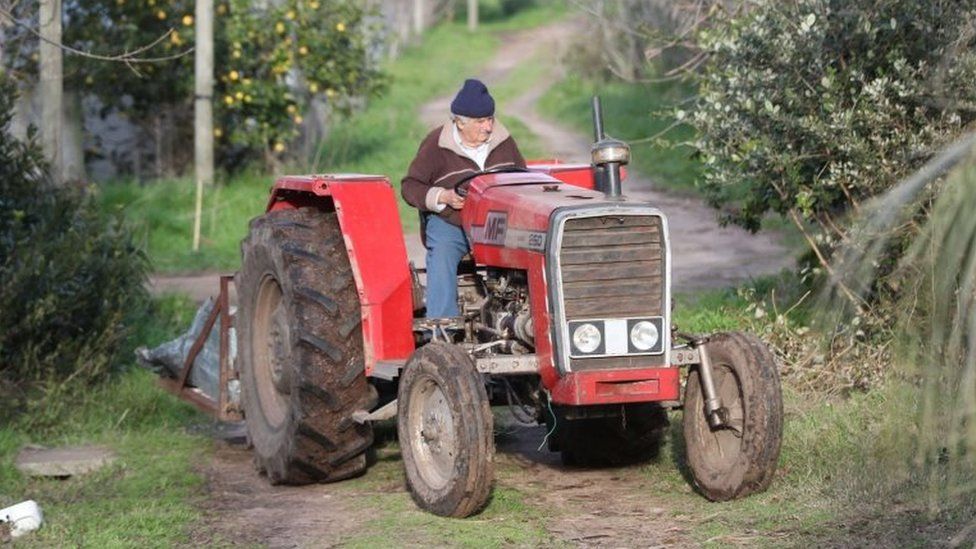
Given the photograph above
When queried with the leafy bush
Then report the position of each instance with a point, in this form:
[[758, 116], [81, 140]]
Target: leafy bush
[[808, 107], [69, 276]]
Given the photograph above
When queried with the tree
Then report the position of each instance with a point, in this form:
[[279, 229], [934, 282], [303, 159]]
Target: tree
[[277, 59], [274, 59], [809, 107]]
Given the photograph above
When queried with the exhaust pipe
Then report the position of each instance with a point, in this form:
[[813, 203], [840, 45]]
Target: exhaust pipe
[[607, 155]]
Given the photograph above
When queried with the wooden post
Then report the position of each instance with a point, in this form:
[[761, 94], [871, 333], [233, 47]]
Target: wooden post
[[472, 15], [203, 136], [51, 85]]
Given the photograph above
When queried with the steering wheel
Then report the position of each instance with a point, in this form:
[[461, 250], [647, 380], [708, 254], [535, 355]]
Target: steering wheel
[[463, 192]]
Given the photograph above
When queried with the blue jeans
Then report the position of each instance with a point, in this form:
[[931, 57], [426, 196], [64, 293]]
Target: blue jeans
[[446, 245]]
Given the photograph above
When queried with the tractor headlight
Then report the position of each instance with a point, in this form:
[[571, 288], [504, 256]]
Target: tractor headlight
[[587, 338], [644, 335]]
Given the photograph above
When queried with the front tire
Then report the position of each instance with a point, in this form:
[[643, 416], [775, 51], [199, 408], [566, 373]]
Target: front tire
[[444, 424], [735, 461], [301, 353]]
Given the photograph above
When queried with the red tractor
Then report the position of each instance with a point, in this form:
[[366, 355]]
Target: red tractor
[[566, 311]]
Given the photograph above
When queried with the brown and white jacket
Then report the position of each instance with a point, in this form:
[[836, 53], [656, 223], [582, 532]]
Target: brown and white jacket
[[440, 163]]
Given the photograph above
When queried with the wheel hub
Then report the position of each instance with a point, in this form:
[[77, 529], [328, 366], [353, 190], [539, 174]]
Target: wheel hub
[[278, 338], [270, 348], [433, 433]]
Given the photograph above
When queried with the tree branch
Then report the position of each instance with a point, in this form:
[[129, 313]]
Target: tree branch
[[129, 58]]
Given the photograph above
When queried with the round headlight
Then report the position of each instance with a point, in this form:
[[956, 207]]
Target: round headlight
[[644, 335], [586, 337]]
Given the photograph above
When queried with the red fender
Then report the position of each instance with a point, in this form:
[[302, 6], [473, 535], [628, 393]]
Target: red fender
[[370, 223]]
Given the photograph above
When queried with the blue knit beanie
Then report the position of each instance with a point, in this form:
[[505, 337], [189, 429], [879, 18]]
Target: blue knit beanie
[[473, 100]]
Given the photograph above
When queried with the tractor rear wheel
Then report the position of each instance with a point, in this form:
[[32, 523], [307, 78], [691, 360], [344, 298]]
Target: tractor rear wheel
[[631, 437], [444, 425], [301, 356], [740, 458]]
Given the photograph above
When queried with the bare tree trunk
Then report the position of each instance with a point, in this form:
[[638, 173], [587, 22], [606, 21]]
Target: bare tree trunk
[[203, 157], [472, 15], [51, 85]]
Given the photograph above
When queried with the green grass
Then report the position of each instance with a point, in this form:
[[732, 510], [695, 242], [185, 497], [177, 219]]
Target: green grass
[[382, 139], [633, 112], [147, 496]]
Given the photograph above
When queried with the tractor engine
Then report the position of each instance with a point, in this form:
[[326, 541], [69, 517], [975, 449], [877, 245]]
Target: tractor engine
[[505, 315]]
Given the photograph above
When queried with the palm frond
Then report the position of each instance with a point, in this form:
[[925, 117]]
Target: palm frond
[[933, 290]]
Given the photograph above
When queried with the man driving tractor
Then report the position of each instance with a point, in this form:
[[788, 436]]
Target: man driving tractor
[[472, 141]]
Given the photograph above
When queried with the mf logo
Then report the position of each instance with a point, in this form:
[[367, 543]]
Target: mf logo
[[494, 231]]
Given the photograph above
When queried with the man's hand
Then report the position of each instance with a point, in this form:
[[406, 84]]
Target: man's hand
[[451, 198]]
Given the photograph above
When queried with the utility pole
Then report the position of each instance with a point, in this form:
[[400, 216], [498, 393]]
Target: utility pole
[[3, 38], [51, 85], [472, 15], [419, 9], [203, 136]]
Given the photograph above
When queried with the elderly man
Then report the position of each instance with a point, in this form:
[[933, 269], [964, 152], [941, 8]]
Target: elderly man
[[472, 141]]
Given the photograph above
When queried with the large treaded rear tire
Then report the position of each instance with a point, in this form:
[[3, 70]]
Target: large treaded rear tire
[[733, 463], [444, 424], [300, 349]]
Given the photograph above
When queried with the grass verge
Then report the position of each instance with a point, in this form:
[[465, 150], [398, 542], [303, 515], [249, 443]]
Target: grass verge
[[147, 496]]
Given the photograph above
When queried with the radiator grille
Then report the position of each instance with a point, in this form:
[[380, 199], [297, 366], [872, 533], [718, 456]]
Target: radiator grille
[[612, 266]]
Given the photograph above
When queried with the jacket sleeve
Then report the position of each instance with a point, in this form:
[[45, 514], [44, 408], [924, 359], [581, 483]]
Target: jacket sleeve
[[420, 175]]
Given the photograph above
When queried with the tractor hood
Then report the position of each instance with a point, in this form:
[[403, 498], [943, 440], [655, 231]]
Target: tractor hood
[[512, 210]]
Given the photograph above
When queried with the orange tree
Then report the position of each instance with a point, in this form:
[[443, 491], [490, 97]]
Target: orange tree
[[276, 60], [272, 62]]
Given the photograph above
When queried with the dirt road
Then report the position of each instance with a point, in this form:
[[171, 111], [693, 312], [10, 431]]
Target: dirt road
[[600, 507]]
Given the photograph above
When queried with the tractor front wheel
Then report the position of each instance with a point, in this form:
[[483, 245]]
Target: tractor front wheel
[[444, 424], [300, 349], [738, 458]]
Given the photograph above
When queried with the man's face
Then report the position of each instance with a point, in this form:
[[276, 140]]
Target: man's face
[[475, 131]]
